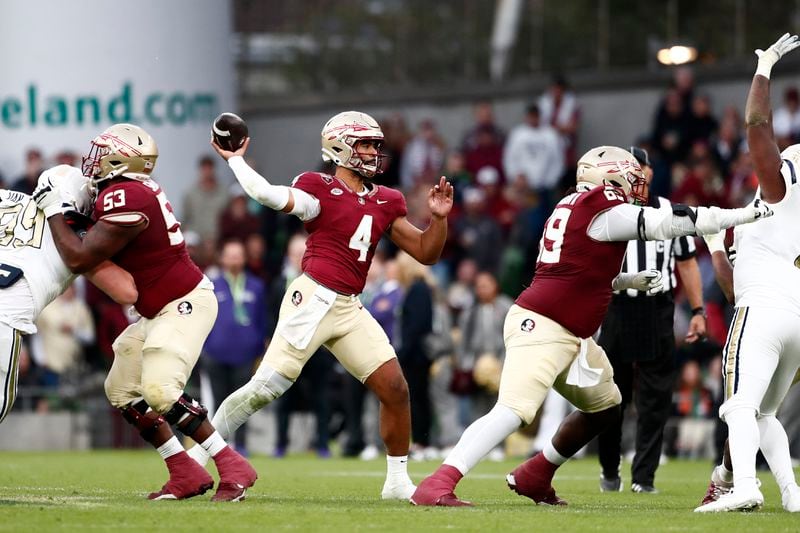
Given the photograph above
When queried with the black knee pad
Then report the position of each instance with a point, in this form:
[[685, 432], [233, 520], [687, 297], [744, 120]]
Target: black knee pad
[[135, 413], [187, 414]]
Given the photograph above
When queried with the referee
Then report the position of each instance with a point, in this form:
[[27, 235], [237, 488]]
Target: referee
[[637, 334]]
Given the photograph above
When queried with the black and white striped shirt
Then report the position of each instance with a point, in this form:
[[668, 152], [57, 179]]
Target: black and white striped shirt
[[661, 255]]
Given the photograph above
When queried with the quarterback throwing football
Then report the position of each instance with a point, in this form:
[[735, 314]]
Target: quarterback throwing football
[[345, 214]]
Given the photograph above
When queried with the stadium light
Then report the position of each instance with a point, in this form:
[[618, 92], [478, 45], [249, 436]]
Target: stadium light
[[677, 54]]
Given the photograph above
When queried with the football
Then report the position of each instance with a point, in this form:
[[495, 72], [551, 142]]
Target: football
[[229, 131]]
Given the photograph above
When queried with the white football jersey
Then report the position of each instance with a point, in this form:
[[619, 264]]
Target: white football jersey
[[767, 271], [26, 243]]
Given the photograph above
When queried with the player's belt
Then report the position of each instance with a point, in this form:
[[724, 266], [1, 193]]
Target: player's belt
[[348, 294]]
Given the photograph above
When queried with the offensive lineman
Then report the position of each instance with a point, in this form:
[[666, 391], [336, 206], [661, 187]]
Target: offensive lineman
[[32, 273], [153, 357], [762, 353], [345, 214], [548, 331]]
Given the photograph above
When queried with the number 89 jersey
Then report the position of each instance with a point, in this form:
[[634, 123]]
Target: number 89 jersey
[[26, 244], [343, 237], [572, 282], [157, 258]]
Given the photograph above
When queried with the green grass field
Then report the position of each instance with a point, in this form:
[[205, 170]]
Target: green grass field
[[104, 491]]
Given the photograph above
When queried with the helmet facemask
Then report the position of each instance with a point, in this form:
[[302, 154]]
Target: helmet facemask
[[121, 150], [340, 137], [610, 165]]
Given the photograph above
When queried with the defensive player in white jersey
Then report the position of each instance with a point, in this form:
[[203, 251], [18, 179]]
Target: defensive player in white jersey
[[32, 273], [762, 353]]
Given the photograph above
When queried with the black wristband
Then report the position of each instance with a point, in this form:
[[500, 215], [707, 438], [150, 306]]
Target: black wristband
[[699, 311]]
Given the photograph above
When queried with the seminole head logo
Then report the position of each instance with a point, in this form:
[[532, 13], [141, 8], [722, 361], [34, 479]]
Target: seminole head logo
[[527, 325], [297, 298]]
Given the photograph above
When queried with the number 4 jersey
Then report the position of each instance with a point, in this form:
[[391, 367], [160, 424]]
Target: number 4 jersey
[[344, 235], [572, 282], [157, 258]]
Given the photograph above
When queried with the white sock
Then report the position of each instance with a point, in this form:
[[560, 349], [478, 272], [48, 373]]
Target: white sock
[[214, 444], [721, 473], [775, 447], [396, 466], [552, 455], [743, 439], [170, 448], [482, 436]]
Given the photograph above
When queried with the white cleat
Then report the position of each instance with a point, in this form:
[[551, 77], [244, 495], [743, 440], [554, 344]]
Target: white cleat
[[398, 490], [197, 453], [738, 499], [790, 498]]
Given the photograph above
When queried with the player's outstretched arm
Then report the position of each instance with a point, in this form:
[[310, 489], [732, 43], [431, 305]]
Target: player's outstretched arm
[[426, 246], [114, 281], [102, 241], [277, 197], [626, 222], [758, 121]]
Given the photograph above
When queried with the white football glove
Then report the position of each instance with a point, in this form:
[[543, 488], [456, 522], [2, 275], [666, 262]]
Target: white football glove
[[649, 281], [63, 188], [715, 242], [756, 210], [767, 58]]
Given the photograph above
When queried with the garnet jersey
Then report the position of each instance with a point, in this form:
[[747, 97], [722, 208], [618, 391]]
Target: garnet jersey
[[157, 258], [572, 282], [344, 235]]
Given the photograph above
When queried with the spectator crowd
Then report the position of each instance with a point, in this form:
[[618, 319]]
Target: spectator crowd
[[445, 321]]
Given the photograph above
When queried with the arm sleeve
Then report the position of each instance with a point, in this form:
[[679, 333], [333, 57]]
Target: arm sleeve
[[626, 222], [275, 197]]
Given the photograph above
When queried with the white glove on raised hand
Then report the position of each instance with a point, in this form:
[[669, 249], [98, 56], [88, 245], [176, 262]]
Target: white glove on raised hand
[[767, 58], [63, 188], [715, 242], [756, 210], [649, 281]]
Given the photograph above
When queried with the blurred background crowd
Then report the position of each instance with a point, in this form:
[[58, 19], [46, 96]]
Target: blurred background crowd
[[445, 321]]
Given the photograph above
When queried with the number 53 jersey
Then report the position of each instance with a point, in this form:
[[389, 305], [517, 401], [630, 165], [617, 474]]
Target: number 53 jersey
[[572, 281], [157, 257], [343, 237]]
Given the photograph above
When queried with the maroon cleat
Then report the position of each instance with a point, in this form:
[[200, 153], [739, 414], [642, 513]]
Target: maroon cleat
[[235, 476], [437, 489], [186, 479], [713, 493], [533, 478]]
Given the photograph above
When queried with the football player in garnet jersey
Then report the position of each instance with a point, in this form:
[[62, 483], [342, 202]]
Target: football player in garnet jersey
[[345, 214], [153, 358], [548, 331]]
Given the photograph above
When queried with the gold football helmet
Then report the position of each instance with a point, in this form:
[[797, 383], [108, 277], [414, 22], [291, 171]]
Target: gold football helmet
[[121, 150], [610, 165], [340, 135]]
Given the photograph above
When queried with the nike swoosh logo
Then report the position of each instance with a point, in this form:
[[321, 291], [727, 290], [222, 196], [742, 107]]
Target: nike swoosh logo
[[382, 201]]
